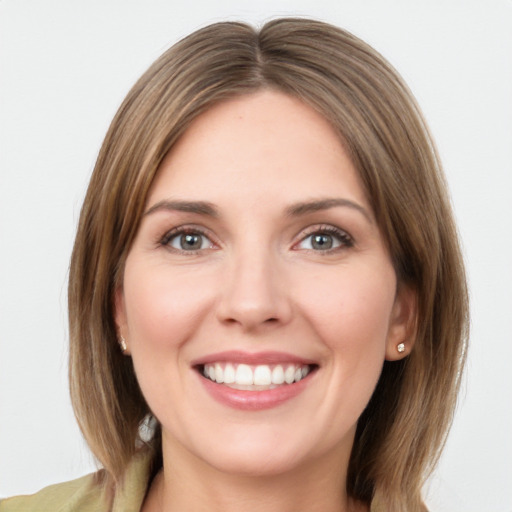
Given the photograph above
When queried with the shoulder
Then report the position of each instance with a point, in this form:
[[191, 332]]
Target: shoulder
[[86, 494], [80, 495]]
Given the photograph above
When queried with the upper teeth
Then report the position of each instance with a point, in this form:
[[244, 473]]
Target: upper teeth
[[258, 375]]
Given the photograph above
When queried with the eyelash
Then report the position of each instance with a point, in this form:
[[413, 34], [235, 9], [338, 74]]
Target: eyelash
[[184, 230], [343, 238]]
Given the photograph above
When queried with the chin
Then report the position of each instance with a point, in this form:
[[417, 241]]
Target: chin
[[262, 464], [264, 451]]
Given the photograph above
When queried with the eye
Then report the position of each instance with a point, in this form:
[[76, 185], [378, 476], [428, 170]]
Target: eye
[[187, 240], [325, 239]]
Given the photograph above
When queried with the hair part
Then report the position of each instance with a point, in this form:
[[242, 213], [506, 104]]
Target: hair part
[[402, 430]]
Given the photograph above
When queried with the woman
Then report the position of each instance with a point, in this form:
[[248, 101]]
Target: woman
[[267, 300]]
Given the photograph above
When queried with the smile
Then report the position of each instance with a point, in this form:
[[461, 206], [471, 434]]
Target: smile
[[254, 381], [255, 377]]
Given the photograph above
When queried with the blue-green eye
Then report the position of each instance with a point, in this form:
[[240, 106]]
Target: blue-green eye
[[326, 239], [187, 241]]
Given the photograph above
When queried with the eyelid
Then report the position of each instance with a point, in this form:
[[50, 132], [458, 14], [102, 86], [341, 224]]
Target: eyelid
[[164, 240], [345, 238]]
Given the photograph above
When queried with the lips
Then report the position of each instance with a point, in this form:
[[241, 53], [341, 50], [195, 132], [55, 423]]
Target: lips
[[254, 381]]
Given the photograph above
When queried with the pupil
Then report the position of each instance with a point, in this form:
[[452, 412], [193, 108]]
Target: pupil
[[322, 242], [190, 241]]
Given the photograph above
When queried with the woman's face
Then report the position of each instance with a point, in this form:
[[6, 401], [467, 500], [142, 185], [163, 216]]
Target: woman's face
[[259, 301]]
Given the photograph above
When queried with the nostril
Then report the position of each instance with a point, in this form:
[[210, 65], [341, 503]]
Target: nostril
[[253, 304]]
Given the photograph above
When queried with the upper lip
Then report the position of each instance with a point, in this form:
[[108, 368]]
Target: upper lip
[[252, 358]]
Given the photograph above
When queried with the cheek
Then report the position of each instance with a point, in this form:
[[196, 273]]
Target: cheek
[[163, 306], [350, 311], [351, 308]]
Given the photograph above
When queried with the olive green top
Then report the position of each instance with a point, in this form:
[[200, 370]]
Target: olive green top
[[83, 495]]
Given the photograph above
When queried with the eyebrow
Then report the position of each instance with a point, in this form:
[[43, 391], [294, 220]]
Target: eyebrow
[[304, 208], [199, 207], [295, 210]]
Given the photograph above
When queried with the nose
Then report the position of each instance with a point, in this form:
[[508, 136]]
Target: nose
[[254, 293]]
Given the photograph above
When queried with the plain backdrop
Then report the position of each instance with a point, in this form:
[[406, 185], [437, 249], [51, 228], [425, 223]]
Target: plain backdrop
[[65, 66]]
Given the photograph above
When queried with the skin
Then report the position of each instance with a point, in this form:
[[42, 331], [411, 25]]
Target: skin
[[259, 283]]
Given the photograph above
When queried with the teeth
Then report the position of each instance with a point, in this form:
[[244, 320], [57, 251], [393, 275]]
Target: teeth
[[289, 375], [260, 375], [278, 375], [229, 374], [243, 375], [219, 374]]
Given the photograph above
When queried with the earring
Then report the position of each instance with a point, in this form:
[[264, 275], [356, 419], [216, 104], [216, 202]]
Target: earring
[[123, 345], [400, 347]]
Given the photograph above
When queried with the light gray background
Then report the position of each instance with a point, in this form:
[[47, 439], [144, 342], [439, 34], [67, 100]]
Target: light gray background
[[65, 66]]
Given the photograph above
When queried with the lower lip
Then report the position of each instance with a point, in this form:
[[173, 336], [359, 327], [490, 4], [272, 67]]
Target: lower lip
[[254, 400]]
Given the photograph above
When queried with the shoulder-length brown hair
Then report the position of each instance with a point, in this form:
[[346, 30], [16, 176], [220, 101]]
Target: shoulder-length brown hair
[[403, 428]]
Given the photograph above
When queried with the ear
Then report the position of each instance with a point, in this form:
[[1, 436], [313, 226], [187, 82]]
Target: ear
[[120, 320], [402, 324]]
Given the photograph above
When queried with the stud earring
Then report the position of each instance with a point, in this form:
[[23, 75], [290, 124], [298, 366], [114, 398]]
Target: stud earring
[[123, 345], [400, 347]]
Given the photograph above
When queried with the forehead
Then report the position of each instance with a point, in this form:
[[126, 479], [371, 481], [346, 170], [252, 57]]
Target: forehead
[[261, 145]]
